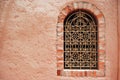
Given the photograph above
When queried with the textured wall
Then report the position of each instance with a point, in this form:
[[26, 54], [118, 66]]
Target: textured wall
[[28, 39], [119, 34]]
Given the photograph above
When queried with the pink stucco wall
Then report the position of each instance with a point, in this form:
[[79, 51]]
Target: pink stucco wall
[[119, 36], [28, 39]]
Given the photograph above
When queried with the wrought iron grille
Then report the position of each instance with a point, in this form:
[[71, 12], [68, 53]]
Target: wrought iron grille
[[80, 41]]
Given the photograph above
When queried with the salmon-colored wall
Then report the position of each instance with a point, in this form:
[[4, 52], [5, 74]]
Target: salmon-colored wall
[[119, 36], [28, 39]]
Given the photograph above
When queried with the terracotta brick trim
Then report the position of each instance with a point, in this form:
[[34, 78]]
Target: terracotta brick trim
[[101, 41]]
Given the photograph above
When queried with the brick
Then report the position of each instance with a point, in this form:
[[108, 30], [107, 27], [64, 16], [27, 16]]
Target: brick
[[91, 73], [97, 11], [101, 65], [85, 5], [100, 25], [101, 51], [60, 58], [75, 74], [85, 73], [101, 42], [59, 37], [81, 74], [100, 73], [88, 73], [59, 24], [102, 28], [61, 17], [71, 6], [101, 57], [60, 51], [89, 6], [101, 37], [102, 47], [59, 29], [67, 73], [60, 33], [99, 15], [101, 20], [67, 9], [59, 41], [80, 5], [59, 72], [75, 5], [60, 47], [60, 65], [94, 73]]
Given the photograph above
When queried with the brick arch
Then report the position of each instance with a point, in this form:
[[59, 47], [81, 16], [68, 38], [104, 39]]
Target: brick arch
[[101, 40]]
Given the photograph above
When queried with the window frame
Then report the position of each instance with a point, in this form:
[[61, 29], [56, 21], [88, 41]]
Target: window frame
[[68, 8]]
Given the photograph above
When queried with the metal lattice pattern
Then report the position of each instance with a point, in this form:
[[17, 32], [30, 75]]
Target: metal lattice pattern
[[80, 41]]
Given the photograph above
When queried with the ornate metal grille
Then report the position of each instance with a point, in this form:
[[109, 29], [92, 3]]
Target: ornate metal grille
[[80, 41]]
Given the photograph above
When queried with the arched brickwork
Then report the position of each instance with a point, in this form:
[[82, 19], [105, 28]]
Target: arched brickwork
[[101, 41]]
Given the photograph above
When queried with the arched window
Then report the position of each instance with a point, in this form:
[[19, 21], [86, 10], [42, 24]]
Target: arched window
[[80, 40]]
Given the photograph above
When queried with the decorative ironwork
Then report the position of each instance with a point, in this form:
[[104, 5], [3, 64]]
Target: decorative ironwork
[[80, 41]]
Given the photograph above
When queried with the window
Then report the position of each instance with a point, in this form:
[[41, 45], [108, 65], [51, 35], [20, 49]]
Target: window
[[80, 40]]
